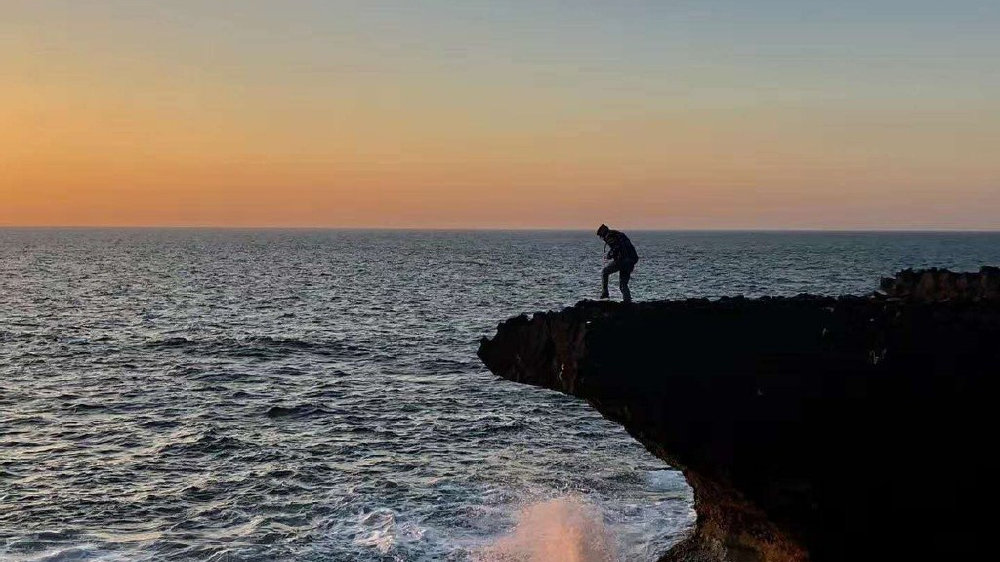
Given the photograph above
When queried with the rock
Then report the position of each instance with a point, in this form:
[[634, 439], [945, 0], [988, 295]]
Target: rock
[[941, 284], [810, 428]]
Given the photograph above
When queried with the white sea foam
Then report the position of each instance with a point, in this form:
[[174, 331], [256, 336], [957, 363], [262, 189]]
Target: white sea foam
[[559, 530], [69, 553], [382, 532]]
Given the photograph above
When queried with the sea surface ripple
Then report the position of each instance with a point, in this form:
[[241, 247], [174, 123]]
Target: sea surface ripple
[[315, 395]]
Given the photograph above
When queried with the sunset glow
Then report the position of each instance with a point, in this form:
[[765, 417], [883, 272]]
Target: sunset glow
[[497, 115]]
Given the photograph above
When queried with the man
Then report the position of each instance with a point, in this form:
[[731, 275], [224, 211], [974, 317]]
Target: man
[[623, 259]]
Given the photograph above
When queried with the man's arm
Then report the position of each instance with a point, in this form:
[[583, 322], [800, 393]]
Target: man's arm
[[615, 242]]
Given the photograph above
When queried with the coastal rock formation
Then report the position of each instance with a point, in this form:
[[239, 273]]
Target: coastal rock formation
[[810, 428], [941, 284]]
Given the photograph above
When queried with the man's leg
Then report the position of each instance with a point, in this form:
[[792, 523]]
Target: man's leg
[[605, 273], [623, 278]]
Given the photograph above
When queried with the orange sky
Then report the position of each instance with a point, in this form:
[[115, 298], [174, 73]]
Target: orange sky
[[173, 116]]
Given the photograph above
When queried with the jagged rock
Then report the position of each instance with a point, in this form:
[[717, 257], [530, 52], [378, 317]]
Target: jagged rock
[[940, 284], [810, 428]]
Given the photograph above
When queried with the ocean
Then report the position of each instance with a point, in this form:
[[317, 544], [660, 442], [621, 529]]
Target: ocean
[[194, 394]]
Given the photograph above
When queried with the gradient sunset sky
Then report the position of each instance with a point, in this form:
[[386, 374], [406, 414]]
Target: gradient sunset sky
[[670, 114]]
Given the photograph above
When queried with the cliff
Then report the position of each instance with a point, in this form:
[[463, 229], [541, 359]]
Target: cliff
[[810, 428]]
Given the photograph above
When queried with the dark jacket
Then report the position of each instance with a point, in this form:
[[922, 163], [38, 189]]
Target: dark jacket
[[622, 250]]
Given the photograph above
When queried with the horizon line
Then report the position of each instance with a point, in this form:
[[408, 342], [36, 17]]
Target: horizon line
[[496, 229]]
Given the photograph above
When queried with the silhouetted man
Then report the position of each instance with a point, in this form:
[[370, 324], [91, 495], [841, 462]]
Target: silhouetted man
[[623, 259]]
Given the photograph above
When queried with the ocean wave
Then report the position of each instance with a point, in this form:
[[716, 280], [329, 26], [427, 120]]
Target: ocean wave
[[567, 529], [381, 531], [84, 407], [296, 411], [202, 442], [257, 346], [90, 552], [7, 336]]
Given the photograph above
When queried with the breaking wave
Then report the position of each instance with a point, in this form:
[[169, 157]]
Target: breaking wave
[[559, 530]]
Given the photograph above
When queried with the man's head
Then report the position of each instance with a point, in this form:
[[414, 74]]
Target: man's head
[[603, 230]]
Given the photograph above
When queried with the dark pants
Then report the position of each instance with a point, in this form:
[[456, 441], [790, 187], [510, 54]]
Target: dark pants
[[624, 270]]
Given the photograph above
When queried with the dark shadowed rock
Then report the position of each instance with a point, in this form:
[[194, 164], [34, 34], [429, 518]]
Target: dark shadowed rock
[[941, 284], [810, 428]]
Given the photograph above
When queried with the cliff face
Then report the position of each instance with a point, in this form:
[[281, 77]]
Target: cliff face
[[810, 428]]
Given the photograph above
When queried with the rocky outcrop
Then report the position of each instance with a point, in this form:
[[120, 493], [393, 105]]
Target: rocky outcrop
[[941, 284], [810, 428]]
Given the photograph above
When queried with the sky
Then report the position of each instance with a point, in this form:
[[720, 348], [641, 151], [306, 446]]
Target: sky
[[714, 114]]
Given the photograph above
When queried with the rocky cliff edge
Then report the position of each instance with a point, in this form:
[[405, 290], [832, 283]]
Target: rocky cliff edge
[[810, 428]]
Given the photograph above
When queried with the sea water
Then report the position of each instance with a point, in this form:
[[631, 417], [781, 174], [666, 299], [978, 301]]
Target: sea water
[[315, 395]]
